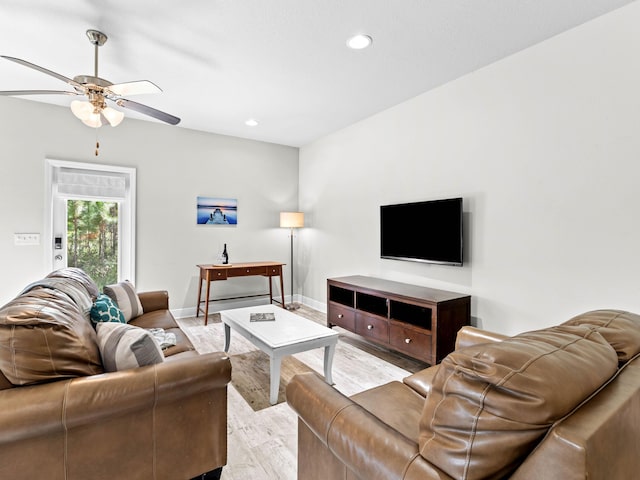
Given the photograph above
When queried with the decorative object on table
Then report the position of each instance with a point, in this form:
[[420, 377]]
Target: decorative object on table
[[217, 211], [225, 255], [262, 317], [292, 220]]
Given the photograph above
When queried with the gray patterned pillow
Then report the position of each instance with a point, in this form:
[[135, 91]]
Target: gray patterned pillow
[[124, 346], [125, 296]]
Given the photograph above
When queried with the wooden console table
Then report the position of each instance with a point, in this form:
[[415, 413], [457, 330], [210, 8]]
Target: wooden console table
[[210, 273]]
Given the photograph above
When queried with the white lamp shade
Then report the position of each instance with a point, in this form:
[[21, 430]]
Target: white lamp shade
[[93, 121], [90, 116], [85, 111], [291, 219], [113, 116], [81, 109]]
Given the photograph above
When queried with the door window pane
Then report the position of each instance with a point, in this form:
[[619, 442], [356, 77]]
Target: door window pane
[[92, 239]]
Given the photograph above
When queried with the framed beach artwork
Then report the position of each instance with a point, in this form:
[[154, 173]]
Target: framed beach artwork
[[217, 211]]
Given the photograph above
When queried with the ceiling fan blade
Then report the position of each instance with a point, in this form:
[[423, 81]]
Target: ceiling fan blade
[[44, 70], [36, 92], [134, 88], [152, 112]]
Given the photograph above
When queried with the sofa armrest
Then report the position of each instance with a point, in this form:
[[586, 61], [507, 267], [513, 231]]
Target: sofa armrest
[[468, 336], [422, 381], [155, 300], [367, 446]]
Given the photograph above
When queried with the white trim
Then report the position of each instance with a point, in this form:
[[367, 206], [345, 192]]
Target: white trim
[[127, 208]]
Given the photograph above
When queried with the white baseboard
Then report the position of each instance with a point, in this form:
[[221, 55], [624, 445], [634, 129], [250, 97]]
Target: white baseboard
[[310, 302]]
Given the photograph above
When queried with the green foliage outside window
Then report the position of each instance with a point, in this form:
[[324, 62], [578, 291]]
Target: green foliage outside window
[[92, 239]]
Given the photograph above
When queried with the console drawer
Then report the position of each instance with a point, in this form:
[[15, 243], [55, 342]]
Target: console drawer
[[341, 316], [414, 343], [219, 275], [247, 271], [372, 327], [277, 270]]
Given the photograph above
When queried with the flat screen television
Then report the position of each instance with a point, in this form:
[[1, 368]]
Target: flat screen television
[[429, 231]]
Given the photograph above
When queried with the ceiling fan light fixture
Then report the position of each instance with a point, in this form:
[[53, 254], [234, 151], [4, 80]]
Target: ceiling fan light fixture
[[87, 112], [95, 112], [113, 116], [81, 109], [92, 120]]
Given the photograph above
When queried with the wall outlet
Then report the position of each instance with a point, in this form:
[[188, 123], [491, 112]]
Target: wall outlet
[[26, 239]]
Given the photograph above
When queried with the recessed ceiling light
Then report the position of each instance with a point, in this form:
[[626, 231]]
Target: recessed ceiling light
[[252, 122], [358, 42]]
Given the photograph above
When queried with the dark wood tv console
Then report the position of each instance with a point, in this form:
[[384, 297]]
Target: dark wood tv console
[[418, 321]]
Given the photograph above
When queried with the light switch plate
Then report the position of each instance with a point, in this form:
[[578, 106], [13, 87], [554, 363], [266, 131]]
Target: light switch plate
[[26, 239]]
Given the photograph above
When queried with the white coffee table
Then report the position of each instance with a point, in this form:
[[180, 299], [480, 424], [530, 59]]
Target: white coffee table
[[287, 334]]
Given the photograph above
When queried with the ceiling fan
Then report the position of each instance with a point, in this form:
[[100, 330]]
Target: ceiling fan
[[94, 111]]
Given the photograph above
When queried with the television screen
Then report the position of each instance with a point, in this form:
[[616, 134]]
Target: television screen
[[429, 231]]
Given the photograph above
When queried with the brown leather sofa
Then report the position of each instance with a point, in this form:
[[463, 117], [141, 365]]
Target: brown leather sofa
[[559, 403], [62, 417]]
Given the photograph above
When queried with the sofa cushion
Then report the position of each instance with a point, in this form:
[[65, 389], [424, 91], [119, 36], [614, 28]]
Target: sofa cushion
[[156, 319], [491, 403], [621, 329], [125, 296], [164, 319], [44, 336], [124, 346], [105, 310]]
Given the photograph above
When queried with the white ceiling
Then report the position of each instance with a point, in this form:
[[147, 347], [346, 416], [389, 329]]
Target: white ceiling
[[283, 62]]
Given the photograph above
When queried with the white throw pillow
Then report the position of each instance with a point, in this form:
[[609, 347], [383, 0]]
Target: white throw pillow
[[124, 346], [126, 297]]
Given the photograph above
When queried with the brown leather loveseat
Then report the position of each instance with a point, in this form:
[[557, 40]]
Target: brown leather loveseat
[[559, 403], [63, 417]]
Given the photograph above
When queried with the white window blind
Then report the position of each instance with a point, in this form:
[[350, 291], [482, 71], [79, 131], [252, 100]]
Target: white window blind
[[88, 184]]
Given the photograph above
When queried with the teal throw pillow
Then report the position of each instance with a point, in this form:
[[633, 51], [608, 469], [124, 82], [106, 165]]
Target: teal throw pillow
[[105, 310]]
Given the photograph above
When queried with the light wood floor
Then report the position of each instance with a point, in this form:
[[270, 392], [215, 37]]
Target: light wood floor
[[262, 445]]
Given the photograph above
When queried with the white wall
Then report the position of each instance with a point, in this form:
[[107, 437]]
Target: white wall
[[544, 146], [174, 166]]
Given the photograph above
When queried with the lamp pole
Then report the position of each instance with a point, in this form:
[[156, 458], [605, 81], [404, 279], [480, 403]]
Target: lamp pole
[[291, 305], [291, 220]]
